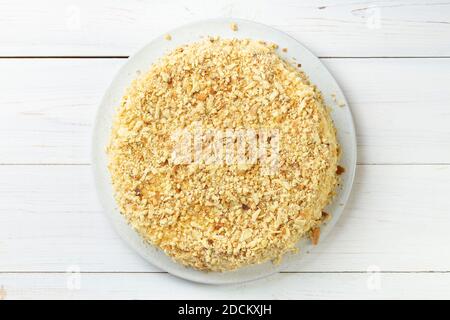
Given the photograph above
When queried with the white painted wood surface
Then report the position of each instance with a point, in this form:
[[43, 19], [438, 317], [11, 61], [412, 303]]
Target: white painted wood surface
[[396, 220], [329, 28], [392, 58], [400, 106], [280, 286]]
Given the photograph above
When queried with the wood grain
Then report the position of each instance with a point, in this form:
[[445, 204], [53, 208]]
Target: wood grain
[[328, 28], [280, 286], [396, 220], [392, 241], [401, 108]]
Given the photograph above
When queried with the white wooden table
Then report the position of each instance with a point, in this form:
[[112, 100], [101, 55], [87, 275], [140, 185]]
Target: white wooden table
[[392, 58]]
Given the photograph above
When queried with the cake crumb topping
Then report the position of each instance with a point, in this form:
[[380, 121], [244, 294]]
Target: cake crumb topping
[[223, 216]]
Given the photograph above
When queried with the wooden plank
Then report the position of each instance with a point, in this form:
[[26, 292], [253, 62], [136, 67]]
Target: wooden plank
[[397, 220], [328, 28], [280, 286], [400, 107], [49, 106]]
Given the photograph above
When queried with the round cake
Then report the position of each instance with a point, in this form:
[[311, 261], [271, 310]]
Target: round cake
[[223, 155]]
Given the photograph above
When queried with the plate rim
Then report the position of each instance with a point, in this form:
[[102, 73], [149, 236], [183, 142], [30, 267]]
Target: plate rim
[[202, 276]]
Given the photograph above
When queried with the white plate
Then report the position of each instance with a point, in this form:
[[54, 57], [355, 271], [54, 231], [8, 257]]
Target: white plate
[[141, 62]]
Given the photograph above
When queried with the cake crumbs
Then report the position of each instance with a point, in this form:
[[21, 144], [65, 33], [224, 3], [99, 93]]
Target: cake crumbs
[[220, 218], [340, 170], [326, 216], [315, 235]]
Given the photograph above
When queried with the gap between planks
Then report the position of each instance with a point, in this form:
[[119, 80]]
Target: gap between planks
[[320, 57], [358, 164], [280, 272]]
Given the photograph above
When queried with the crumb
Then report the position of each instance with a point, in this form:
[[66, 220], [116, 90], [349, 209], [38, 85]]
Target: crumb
[[284, 49], [137, 191], [333, 96], [340, 170], [315, 235], [168, 37], [234, 26], [224, 217], [299, 65], [325, 216], [341, 104]]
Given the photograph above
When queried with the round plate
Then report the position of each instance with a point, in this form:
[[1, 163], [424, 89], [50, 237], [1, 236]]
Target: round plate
[[142, 61]]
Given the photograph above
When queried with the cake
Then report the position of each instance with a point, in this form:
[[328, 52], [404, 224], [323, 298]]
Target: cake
[[223, 155]]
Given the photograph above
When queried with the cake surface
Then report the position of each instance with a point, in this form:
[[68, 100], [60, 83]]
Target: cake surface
[[177, 171]]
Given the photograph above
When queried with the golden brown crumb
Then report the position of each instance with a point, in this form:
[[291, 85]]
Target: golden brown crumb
[[168, 37], [234, 26], [223, 217], [340, 170], [284, 49], [315, 235], [325, 216]]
